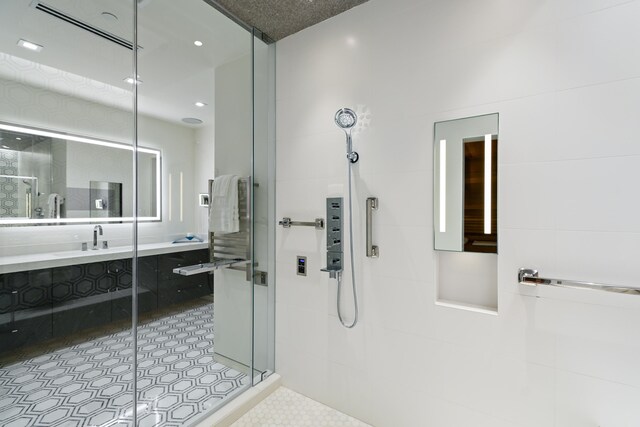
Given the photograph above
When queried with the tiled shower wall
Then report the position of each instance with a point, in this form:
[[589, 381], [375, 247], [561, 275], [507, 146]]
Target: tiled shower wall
[[565, 77]]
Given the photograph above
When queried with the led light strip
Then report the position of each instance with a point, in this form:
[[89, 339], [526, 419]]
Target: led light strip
[[443, 185], [487, 184], [170, 197], [86, 140], [60, 135], [181, 197]]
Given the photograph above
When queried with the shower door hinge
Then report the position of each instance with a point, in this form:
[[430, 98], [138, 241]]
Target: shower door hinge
[[260, 278]]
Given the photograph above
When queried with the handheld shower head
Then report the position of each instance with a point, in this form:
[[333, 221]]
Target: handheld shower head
[[346, 119]]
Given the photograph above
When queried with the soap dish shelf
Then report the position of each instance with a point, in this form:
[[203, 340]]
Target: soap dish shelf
[[209, 266]]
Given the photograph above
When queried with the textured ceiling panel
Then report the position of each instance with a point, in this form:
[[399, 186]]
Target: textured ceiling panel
[[280, 18]]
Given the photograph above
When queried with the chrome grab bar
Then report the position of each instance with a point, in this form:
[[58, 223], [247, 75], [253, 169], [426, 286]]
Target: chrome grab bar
[[529, 277], [372, 250], [286, 222]]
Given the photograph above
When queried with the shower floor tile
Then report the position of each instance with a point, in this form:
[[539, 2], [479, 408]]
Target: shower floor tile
[[286, 408], [89, 384]]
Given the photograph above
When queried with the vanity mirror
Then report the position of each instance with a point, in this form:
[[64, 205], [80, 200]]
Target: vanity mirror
[[49, 177], [465, 184]]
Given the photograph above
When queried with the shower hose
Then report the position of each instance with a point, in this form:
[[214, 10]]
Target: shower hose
[[353, 270]]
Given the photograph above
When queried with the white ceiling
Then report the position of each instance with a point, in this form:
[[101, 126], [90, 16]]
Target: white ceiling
[[175, 73]]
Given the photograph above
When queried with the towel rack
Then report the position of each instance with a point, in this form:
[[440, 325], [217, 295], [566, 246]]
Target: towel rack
[[235, 245], [529, 276], [231, 250], [318, 223]]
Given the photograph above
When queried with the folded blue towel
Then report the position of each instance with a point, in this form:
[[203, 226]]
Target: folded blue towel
[[189, 238]]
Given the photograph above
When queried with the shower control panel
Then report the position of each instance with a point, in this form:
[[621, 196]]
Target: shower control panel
[[335, 228], [301, 262]]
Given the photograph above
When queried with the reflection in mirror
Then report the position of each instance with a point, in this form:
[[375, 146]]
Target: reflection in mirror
[[105, 199], [465, 190], [47, 175]]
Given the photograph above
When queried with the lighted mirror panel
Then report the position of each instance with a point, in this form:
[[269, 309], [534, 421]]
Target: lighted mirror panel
[[465, 184], [49, 178]]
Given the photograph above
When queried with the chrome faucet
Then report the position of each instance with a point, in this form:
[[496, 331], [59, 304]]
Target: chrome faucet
[[96, 229]]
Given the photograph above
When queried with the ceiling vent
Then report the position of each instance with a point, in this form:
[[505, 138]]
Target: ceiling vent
[[87, 27]]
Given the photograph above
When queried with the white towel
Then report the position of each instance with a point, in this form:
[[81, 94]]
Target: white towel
[[54, 205], [224, 215]]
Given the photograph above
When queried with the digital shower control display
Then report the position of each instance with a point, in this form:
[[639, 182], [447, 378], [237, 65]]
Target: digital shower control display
[[302, 265]]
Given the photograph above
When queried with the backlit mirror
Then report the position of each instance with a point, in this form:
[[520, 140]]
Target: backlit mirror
[[465, 184], [49, 177]]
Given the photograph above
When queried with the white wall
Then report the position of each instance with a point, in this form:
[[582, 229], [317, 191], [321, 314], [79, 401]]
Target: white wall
[[204, 171], [565, 77], [31, 106], [88, 162]]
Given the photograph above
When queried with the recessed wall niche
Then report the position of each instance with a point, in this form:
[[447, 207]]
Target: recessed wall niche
[[465, 211]]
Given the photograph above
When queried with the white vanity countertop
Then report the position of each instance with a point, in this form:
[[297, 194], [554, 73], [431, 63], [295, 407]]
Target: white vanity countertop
[[11, 264]]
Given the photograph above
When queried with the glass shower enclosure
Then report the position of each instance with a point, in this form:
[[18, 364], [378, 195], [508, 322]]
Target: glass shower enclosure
[[117, 118]]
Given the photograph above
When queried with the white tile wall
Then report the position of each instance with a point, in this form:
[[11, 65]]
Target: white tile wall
[[565, 77]]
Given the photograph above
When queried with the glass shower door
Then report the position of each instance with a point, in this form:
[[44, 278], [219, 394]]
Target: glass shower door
[[125, 144], [194, 104], [263, 67]]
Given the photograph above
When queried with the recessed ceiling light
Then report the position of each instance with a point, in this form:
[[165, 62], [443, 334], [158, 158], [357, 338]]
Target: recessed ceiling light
[[5, 146], [198, 43], [29, 45], [200, 104], [18, 138], [192, 120]]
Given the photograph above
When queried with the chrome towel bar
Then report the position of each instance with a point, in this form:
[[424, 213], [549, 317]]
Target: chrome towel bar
[[209, 266], [372, 250], [286, 222], [529, 277]]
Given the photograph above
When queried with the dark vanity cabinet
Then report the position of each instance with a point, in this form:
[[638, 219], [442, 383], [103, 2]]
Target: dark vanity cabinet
[[25, 308], [58, 302]]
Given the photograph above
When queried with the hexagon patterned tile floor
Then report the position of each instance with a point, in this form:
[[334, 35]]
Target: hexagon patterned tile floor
[[89, 384], [286, 408]]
